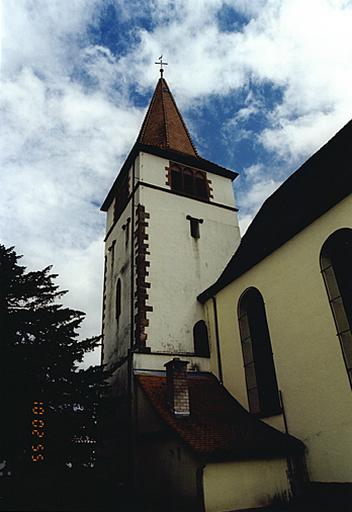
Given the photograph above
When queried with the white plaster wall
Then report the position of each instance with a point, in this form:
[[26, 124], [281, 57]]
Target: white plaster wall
[[116, 333], [181, 266], [222, 192], [157, 362], [244, 484], [152, 170], [110, 216], [309, 364], [147, 420], [110, 211]]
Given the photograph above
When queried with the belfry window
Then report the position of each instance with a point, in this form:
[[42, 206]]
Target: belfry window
[[262, 390], [335, 264], [118, 300], [201, 339], [190, 182]]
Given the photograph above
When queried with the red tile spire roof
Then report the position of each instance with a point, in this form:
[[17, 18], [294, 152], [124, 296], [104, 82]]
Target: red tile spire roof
[[163, 126]]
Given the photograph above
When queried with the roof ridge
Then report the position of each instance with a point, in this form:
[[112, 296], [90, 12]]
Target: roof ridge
[[147, 116], [166, 127], [182, 120]]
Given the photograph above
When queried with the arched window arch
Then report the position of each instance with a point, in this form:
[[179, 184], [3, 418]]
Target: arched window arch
[[201, 339], [336, 268], [262, 390], [118, 299]]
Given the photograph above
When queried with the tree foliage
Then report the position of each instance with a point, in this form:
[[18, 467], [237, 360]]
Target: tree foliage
[[39, 360]]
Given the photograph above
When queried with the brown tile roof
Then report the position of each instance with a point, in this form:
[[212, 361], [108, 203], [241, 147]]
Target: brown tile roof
[[165, 134], [163, 126], [219, 428]]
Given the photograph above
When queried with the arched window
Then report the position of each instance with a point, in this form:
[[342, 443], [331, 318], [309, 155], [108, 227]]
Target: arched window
[[336, 267], [118, 299], [201, 340], [262, 390]]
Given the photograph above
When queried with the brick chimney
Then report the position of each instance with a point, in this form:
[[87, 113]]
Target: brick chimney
[[177, 387]]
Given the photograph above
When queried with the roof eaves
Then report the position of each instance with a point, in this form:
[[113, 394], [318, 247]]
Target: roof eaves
[[313, 171], [169, 154], [126, 165], [190, 160]]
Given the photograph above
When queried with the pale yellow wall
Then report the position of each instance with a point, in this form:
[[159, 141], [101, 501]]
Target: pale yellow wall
[[306, 350], [244, 484]]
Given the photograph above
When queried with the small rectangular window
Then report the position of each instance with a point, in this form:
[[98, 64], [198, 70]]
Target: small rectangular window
[[194, 225], [195, 228]]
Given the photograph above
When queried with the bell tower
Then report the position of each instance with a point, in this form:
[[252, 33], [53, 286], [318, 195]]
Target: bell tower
[[171, 228]]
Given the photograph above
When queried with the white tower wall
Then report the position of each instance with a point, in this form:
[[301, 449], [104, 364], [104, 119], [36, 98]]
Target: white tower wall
[[182, 266]]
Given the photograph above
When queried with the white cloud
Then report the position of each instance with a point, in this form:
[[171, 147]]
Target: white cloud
[[63, 140], [61, 146], [303, 47], [297, 138], [259, 187], [244, 221], [253, 171]]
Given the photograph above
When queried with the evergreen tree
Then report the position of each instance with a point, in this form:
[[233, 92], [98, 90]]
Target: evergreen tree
[[39, 356]]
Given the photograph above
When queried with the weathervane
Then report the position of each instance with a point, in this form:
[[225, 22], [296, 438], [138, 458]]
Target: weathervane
[[161, 64]]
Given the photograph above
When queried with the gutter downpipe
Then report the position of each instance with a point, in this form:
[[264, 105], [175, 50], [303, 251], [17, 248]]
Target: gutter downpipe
[[217, 337]]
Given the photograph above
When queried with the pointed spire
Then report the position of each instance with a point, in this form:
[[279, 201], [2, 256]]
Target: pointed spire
[[163, 125]]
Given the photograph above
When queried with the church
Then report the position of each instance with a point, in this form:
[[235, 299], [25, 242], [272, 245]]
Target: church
[[231, 358]]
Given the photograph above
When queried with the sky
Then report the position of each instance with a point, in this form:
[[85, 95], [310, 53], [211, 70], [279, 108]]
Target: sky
[[262, 85]]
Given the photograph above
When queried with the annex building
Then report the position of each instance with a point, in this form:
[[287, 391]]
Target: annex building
[[232, 358]]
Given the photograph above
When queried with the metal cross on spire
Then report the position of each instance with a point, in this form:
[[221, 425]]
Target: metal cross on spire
[[161, 64]]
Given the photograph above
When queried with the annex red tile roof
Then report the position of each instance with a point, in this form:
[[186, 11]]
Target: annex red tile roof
[[219, 428], [163, 126]]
